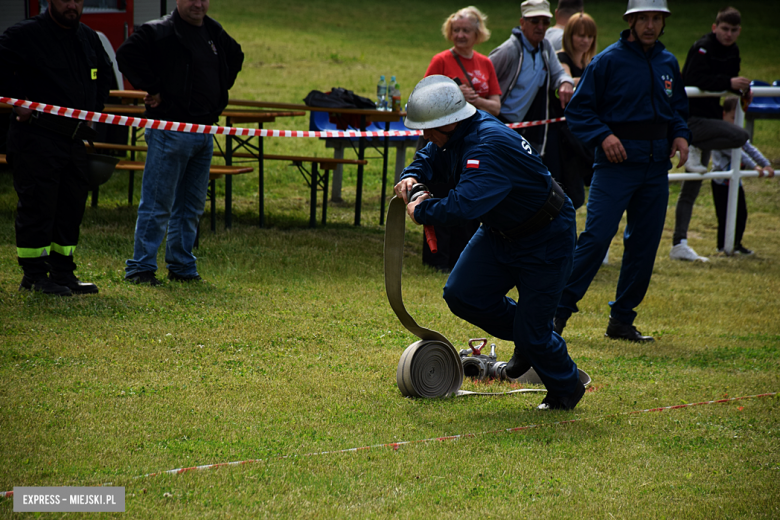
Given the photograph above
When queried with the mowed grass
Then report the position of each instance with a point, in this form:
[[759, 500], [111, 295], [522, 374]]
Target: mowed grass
[[289, 349]]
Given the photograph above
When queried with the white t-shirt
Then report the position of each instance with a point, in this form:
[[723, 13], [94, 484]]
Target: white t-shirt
[[555, 36]]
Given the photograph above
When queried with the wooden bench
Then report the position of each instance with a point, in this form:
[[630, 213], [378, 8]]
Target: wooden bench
[[216, 171], [314, 179]]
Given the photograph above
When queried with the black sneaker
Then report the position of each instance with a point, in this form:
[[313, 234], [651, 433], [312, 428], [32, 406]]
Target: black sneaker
[[43, 285], [143, 277], [619, 330], [179, 278], [75, 285], [742, 250], [563, 402]]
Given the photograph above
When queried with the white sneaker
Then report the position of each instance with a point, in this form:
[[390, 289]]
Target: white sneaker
[[683, 251], [693, 164]]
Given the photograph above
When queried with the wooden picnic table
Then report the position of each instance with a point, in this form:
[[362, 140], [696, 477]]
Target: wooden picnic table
[[378, 116], [130, 106]]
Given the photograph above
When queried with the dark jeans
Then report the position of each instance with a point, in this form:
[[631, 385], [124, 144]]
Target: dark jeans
[[173, 196], [720, 196], [708, 135]]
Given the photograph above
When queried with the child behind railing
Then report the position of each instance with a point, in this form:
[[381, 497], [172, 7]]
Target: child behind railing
[[721, 161]]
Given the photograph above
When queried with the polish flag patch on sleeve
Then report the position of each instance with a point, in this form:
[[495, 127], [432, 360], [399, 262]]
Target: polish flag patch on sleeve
[[472, 163], [702, 50]]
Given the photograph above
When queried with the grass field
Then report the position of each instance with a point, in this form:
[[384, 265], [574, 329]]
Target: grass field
[[289, 349]]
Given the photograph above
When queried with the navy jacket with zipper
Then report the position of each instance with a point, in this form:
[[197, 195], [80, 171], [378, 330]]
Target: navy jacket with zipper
[[501, 179], [624, 84], [156, 59]]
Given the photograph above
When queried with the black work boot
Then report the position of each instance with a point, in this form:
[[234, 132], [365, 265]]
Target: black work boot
[[619, 330], [517, 366], [43, 285], [76, 286], [563, 402]]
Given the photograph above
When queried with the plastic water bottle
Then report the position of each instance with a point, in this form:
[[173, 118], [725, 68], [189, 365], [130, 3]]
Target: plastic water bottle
[[381, 94], [395, 95]]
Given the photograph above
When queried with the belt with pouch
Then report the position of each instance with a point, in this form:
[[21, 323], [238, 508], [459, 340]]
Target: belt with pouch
[[546, 214], [72, 128], [639, 130]]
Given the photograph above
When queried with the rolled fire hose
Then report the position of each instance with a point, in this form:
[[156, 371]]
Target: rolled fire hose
[[430, 367]]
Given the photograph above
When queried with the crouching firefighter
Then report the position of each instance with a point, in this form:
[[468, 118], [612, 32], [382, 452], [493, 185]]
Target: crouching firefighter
[[52, 58], [526, 239]]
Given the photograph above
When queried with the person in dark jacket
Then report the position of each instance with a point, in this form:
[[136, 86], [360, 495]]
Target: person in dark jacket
[[526, 239], [631, 105], [186, 63], [712, 64], [52, 58]]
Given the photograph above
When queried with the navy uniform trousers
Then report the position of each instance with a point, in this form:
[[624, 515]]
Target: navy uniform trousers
[[642, 191], [491, 266]]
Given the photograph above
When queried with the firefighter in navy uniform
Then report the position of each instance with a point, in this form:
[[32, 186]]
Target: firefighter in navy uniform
[[52, 58], [526, 239], [630, 106]]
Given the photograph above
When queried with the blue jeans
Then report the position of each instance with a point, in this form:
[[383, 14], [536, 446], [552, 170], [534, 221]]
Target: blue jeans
[[642, 191], [173, 196], [538, 266]]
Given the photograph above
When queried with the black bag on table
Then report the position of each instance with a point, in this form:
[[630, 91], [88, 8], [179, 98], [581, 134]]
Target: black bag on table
[[340, 98]]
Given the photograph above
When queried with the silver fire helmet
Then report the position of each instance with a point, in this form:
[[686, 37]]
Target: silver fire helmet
[[643, 6], [436, 101]]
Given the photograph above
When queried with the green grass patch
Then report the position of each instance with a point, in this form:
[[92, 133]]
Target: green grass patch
[[289, 348]]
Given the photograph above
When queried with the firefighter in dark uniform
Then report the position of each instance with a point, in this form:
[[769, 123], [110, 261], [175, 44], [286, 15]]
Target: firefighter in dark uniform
[[631, 107], [52, 58], [526, 239]]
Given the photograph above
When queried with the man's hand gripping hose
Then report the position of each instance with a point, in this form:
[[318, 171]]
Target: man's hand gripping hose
[[430, 234]]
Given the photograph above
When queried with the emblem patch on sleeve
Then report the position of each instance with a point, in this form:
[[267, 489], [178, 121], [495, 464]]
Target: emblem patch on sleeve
[[472, 163], [667, 79], [93, 73]]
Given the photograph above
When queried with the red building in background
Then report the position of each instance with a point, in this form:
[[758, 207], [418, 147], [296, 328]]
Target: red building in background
[[114, 18]]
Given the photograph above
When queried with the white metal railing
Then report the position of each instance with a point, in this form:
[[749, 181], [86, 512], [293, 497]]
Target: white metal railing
[[735, 174]]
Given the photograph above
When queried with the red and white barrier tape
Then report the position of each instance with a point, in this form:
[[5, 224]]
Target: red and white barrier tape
[[396, 445], [156, 124], [535, 123]]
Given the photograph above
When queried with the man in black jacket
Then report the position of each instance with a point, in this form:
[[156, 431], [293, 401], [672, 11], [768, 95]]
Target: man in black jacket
[[52, 58], [186, 63], [712, 64]]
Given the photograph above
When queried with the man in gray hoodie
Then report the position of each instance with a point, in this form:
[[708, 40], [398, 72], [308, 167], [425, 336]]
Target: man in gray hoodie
[[527, 69]]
